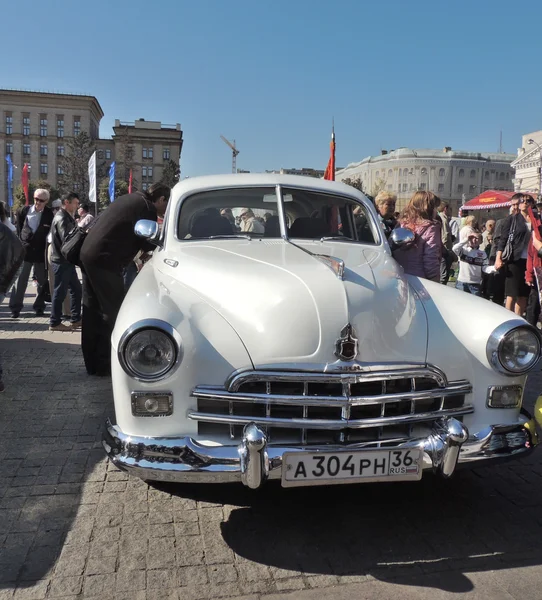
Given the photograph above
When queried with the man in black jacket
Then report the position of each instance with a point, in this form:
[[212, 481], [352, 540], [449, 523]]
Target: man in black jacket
[[33, 226], [110, 246], [11, 258], [65, 275]]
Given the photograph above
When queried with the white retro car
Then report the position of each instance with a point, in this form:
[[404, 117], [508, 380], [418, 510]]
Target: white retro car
[[273, 336]]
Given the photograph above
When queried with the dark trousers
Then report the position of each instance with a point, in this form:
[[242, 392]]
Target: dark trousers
[[532, 312], [16, 300], [495, 284], [446, 262], [65, 277], [103, 293]]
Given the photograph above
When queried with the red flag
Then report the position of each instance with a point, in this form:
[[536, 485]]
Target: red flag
[[24, 181], [330, 169], [130, 183]]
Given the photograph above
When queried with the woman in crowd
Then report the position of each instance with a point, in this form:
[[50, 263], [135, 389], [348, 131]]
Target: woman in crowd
[[516, 231], [422, 258]]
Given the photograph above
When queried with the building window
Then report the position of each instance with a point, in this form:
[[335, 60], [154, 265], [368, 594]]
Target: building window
[[472, 174], [461, 173], [26, 149], [43, 168], [143, 171], [377, 174], [441, 173], [150, 152], [405, 187], [9, 125], [460, 188], [390, 173], [76, 126], [9, 148], [423, 171], [486, 175], [60, 170], [43, 127], [43, 149], [100, 153], [440, 187], [166, 154], [390, 188], [147, 152], [76, 186], [26, 125], [422, 186], [60, 150], [144, 186], [501, 176], [472, 189], [149, 172], [108, 154], [60, 128]]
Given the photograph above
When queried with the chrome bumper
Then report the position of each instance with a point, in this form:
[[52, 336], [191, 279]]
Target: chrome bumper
[[448, 446]]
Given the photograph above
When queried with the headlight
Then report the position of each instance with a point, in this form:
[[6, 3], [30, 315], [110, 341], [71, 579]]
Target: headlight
[[513, 348], [149, 350]]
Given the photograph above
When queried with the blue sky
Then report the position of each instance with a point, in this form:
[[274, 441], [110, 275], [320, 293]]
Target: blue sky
[[271, 75]]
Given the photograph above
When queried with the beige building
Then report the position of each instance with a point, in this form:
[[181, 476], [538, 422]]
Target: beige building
[[455, 176], [35, 128], [528, 164]]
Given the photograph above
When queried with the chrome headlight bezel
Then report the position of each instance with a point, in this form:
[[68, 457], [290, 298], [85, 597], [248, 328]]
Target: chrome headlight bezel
[[497, 339], [150, 324]]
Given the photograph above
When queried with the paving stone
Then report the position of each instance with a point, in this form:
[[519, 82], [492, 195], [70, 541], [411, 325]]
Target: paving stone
[[129, 581], [65, 586]]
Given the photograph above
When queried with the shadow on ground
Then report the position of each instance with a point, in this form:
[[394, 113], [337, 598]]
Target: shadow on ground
[[50, 428]]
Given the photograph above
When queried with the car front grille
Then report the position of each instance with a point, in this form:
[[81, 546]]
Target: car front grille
[[315, 408]]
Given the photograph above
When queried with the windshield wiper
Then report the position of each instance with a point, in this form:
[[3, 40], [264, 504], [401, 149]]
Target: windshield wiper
[[336, 238], [226, 236]]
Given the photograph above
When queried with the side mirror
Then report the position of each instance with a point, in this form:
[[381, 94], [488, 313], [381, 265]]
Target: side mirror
[[148, 230], [401, 238]]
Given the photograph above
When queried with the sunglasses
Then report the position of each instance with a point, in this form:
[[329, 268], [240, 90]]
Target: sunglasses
[[39, 200]]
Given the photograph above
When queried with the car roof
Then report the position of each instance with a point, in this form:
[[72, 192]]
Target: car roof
[[192, 184]]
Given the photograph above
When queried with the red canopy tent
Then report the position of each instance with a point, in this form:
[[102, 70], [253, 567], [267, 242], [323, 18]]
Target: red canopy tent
[[488, 200]]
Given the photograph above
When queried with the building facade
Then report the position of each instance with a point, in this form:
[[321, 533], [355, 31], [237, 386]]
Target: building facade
[[35, 128], [528, 164], [455, 176]]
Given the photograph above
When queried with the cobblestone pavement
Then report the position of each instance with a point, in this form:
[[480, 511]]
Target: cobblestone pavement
[[72, 526]]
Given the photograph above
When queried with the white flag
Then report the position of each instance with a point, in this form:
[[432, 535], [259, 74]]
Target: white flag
[[92, 178]]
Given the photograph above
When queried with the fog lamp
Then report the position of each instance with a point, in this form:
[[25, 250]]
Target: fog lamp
[[152, 404], [504, 396]]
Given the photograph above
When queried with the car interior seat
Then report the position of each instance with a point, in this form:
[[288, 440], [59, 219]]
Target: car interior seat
[[306, 227]]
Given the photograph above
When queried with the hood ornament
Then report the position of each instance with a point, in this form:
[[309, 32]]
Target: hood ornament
[[346, 347]]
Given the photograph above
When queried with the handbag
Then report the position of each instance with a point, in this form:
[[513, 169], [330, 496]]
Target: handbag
[[73, 242], [508, 250]]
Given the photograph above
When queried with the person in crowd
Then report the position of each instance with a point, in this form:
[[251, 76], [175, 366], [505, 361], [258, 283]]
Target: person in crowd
[[56, 206], [109, 247], [494, 289], [85, 217], [517, 228], [33, 226], [470, 227], [4, 218], [448, 257], [11, 258], [489, 229], [422, 258], [455, 226], [228, 214], [385, 206], [249, 223], [473, 261], [65, 274]]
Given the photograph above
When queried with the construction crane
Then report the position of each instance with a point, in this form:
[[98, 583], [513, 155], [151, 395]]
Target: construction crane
[[234, 153]]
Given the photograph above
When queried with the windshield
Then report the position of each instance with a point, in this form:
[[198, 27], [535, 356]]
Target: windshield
[[249, 213], [238, 212]]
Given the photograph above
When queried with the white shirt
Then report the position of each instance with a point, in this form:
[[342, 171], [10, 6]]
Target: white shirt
[[252, 225], [472, 261], [33, 217]]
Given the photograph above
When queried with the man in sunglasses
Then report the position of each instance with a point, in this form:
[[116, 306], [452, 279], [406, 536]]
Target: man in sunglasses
[[33, 227]]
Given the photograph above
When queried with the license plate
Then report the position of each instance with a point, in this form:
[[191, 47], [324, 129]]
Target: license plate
[[327, 468]]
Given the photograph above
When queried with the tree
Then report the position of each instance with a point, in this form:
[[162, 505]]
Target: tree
[[356, 183], [75, 164], [121, 188], [20, 200], [125, 161], [379, 185], [171, 173]]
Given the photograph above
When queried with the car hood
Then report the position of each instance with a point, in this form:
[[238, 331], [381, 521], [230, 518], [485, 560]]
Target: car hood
[[289, 308]]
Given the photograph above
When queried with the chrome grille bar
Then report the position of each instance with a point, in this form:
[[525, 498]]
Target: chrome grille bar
[[211, 393], [331, 424]]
